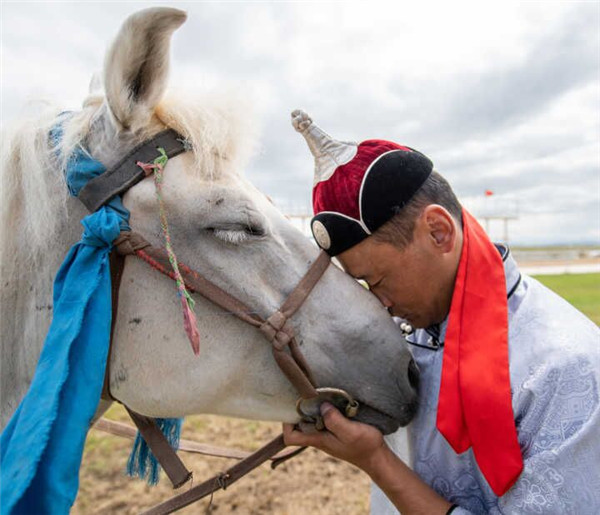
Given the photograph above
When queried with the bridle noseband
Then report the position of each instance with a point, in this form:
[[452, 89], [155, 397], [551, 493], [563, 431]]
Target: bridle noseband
[[276, 328]]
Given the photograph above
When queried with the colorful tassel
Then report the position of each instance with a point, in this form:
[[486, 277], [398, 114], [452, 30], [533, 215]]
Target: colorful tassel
[[142, 463], [191, 325], [189, 318]]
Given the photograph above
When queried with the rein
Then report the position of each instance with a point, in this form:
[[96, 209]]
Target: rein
[[276, 328]]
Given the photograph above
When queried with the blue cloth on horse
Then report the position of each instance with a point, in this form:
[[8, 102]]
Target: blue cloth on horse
[[42, 445]]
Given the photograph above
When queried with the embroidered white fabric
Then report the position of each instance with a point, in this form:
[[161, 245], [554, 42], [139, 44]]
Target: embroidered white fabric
[[554, 354]]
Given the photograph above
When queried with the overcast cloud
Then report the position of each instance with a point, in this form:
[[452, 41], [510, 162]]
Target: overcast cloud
[[502, 96]]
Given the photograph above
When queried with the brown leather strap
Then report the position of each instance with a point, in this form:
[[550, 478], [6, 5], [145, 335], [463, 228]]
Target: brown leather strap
[[282, 457], [176, 471], [220, 481], [276, 328], [306, 285], [153, 436], [126, 173], [117, 265], [126, 243]]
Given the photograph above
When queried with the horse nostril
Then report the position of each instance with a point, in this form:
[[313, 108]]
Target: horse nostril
[[413, 374]]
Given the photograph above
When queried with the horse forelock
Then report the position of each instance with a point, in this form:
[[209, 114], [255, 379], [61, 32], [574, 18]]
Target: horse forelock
[[220, 128]]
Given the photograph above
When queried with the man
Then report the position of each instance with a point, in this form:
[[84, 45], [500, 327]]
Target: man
[[509, 415]]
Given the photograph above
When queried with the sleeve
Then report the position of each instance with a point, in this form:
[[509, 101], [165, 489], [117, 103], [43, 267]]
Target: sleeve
[[558, 422], [557, 412]]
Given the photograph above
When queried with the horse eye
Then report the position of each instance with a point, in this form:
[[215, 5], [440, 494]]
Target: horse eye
[[236, 234], [254, 230]]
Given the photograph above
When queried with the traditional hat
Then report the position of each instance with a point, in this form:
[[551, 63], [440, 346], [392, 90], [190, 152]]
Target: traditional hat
[[357, 186]]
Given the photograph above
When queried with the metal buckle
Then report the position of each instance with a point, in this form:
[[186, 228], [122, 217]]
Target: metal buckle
[[309, 409]]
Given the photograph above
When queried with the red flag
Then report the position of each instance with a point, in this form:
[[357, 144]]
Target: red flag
[[488, 193]]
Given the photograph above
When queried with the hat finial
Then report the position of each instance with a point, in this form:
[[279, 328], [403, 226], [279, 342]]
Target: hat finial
[[329, 153]]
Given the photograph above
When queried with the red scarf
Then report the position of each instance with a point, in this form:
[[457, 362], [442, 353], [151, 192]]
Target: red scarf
[[475, 408]]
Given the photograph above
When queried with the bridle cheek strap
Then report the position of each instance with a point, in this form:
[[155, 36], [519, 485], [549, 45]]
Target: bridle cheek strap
[[276, 328]]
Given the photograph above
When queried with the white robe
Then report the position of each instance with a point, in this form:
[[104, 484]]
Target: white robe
[[554, 355]]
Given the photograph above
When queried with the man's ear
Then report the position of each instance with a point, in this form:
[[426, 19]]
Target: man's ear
[[441, 227]]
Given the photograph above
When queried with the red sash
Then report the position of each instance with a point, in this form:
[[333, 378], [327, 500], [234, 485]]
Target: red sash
[[475, 408]]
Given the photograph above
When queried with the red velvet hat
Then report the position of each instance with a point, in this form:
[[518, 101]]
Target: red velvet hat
[[357, 187]]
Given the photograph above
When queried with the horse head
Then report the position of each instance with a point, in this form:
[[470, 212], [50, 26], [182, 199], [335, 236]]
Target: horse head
[[223, 227]]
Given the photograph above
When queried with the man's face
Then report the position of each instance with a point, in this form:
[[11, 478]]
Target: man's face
[[412, 283]]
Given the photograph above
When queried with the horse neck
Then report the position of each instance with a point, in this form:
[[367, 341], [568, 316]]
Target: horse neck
[[26, 299]]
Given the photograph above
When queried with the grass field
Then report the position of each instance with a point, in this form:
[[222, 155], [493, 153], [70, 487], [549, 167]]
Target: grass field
[[581, 290]]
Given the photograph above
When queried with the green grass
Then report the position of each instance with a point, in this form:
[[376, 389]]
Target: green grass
[[581, 290], [555, 247]]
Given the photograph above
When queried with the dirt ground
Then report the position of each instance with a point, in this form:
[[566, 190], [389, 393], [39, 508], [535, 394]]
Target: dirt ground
[[309, 483]]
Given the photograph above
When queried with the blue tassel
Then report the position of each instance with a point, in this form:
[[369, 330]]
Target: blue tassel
[[142, 463]]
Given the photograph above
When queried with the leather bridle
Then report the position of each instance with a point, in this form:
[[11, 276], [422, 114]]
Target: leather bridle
[[276, 328]]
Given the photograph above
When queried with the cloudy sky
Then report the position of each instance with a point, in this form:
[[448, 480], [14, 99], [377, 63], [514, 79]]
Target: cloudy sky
[[502, 96]]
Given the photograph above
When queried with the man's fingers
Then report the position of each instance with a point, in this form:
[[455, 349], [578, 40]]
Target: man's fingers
[[293, 436], [335, 422]]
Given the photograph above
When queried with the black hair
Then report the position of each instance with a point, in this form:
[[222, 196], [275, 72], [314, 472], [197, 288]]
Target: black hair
[[399, 230]]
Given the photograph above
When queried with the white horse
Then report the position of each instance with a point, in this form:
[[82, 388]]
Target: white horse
[[221, 226]]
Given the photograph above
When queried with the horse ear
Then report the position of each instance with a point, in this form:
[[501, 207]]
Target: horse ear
[[136, 66], [95, 84]]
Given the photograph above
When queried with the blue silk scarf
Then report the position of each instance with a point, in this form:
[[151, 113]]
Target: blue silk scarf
[[42, 445]]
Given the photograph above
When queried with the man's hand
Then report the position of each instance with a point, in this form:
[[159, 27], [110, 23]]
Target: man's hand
[[354, 442], [363, 446]]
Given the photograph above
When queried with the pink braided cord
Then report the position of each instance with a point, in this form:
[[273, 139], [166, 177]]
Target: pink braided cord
[[187, 303]]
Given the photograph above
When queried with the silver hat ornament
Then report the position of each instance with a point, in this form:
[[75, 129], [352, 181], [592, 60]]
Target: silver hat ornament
[[329, 153]]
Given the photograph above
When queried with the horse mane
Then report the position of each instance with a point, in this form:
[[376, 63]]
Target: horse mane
[[33, 193]]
